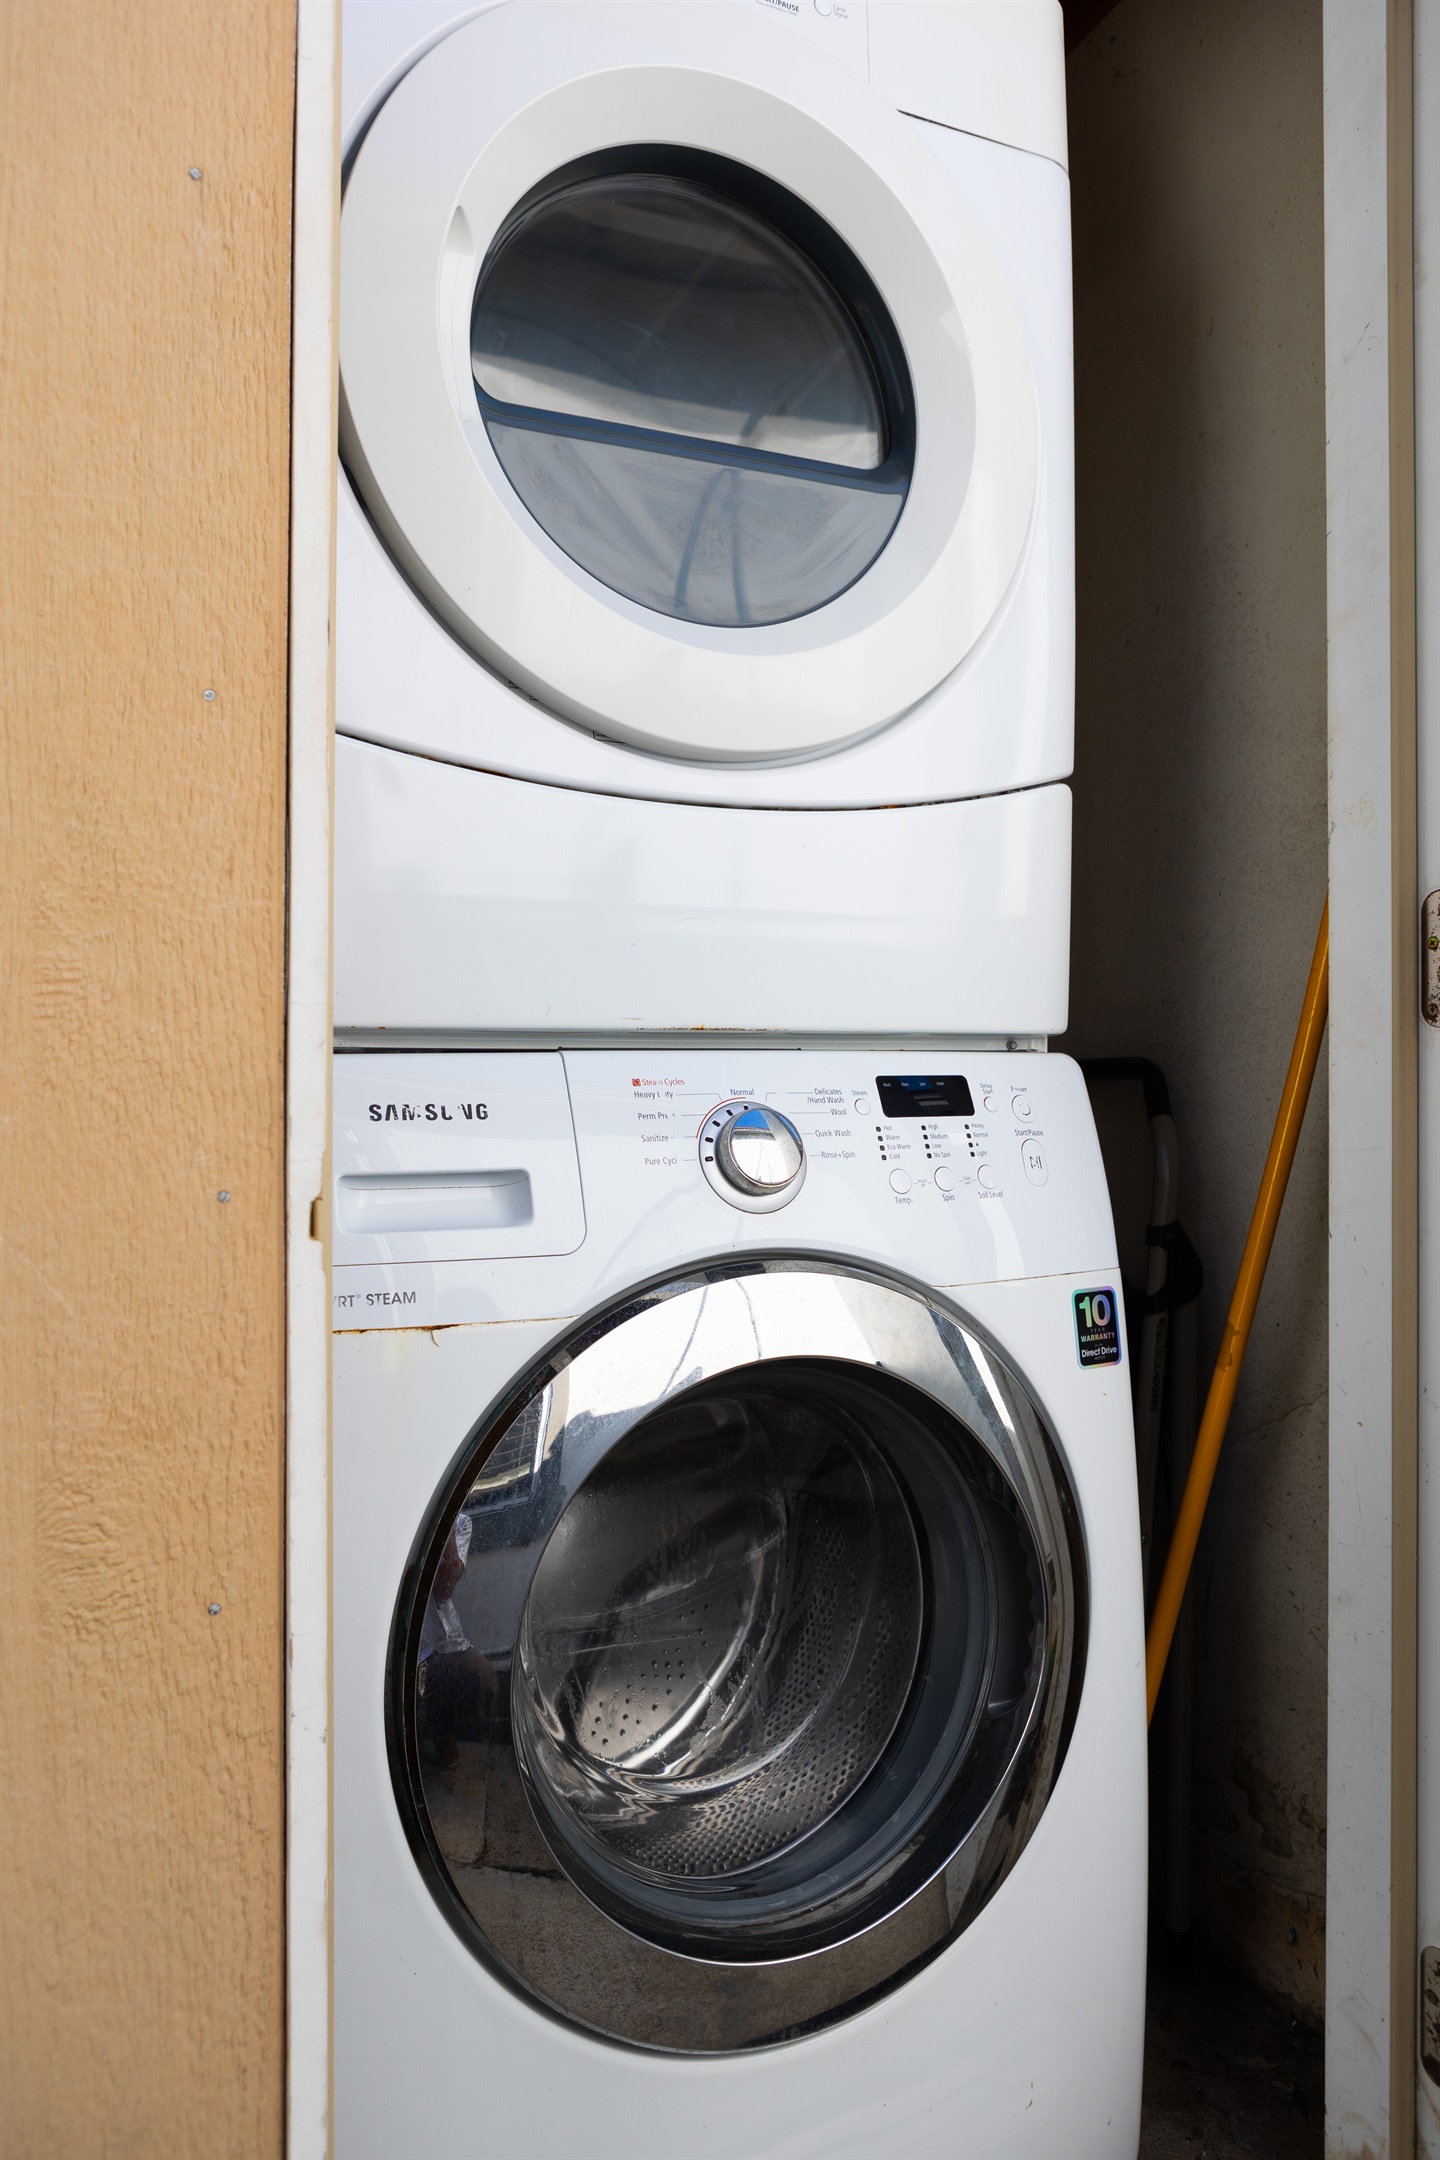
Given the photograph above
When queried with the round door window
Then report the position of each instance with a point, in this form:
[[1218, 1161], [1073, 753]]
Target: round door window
[[720, 1704], [694, 388]]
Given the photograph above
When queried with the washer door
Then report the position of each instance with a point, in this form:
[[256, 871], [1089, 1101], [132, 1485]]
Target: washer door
[[678, 376], [737, 1659]]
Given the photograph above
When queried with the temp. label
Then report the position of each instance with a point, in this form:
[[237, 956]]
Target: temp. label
[[1097, 1327]]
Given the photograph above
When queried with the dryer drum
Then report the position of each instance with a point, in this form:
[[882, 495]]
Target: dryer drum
[[780, 1583]]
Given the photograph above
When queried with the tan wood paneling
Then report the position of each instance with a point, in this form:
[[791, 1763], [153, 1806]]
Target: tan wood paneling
[[144, 367]]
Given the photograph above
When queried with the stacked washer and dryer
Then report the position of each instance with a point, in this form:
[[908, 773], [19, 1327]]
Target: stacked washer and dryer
[[738, 1699]]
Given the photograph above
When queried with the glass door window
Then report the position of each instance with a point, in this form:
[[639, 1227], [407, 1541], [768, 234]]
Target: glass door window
[[717, 1711], [685, 400]]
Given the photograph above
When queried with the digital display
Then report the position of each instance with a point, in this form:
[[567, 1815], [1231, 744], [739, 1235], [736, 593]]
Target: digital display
[[924, 1095]]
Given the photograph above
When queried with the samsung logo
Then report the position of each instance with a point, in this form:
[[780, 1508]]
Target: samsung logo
[[424, 1113]]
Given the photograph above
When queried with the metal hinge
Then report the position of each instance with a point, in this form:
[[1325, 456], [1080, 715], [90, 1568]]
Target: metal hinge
[[1430, 958], [1430, 2007]]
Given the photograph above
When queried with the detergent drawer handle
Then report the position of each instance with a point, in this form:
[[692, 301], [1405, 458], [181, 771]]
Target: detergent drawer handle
[[372, 1204]]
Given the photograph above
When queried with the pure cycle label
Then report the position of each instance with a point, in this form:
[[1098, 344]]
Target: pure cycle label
[[1097, 1327]]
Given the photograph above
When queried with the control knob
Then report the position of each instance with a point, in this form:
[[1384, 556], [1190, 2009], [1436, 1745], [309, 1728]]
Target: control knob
[[751, 1156], [759, 1152]]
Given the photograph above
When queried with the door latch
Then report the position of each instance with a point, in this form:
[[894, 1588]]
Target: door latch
[[1430, 958]]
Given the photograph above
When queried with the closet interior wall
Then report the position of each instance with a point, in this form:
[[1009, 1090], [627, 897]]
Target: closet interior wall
[[1200, 831]]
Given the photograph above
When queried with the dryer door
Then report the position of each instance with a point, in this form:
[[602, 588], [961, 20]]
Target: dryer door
[[679, 377], [739, 1655]]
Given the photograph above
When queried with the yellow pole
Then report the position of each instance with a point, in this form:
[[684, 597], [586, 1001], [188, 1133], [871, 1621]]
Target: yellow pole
[[1224, 1379]]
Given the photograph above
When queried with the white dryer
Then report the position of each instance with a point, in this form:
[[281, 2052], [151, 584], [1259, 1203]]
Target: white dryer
[[705, 548], [738, 1715]]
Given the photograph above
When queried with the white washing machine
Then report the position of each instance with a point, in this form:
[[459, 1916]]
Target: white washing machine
[[705, 552], [739, 1733]]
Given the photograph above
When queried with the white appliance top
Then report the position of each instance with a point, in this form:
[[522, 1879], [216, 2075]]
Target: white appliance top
[[480, 1186], [994, 68]]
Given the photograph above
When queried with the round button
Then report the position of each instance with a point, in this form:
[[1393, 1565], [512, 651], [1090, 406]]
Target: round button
[[862, 1106], [899, 1181], [758, 1152], [987, 1177], [944, 1180], [1032, 1159], [1020, 1104], [990, 1103]]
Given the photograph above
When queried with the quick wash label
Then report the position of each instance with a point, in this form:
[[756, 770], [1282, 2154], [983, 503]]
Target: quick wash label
[[1097, 1327]]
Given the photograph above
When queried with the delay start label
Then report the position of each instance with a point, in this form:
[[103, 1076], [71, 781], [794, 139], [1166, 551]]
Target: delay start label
[[1097, 1327]]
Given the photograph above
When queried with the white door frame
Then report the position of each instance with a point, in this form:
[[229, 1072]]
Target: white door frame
[[1369, 355], [314, 404], [1427, 588], [1380, 1448]]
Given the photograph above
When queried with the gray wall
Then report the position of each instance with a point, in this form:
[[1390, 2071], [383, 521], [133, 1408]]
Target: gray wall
[[1195, 130]]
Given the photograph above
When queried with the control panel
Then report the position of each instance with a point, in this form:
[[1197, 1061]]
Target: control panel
[[592, 1170], [933, 1135]]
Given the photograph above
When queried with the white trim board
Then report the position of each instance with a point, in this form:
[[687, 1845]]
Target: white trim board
[[1370, 1954], [314, 391], [1427, 587]]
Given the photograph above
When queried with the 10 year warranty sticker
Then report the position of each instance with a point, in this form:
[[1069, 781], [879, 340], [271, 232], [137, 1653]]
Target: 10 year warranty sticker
[[1097, 1327]]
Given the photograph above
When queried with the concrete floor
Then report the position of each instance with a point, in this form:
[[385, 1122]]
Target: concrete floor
[[1228, 2071]]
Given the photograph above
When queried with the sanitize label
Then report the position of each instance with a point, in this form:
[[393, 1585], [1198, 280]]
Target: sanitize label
[[1097, 1327]]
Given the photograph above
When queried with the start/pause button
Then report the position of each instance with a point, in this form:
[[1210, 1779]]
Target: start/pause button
[[1032, 1155]]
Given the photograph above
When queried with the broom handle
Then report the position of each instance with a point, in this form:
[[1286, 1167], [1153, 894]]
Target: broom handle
[[1224, 1379]]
